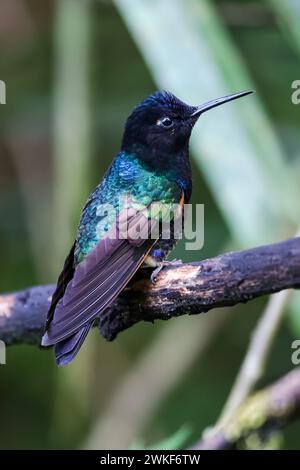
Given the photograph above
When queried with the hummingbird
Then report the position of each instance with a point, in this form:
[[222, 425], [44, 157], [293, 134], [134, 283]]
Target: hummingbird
[[151, 169]]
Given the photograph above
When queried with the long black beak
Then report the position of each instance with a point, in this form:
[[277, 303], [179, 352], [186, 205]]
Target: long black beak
[[214, 103]]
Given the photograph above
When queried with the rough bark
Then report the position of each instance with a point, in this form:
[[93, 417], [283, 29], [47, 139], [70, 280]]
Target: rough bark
[[180, 289]]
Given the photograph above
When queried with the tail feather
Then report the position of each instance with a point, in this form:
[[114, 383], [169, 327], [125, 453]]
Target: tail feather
[[66, 350]]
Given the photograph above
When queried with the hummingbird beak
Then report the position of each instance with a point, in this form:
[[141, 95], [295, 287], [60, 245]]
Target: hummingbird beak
[[217, 102]]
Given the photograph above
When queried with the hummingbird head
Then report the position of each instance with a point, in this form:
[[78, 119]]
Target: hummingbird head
[[161, 125]]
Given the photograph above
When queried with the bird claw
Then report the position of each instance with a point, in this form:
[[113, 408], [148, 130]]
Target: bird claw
[[161, 266]]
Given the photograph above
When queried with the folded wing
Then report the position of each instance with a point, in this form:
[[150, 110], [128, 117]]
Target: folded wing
[[84, 292]]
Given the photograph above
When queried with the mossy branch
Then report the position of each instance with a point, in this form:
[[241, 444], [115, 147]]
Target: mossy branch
[[256, 422]]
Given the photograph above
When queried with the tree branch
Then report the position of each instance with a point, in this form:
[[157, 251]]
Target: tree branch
[[180, 289], [254, 362], [256, 357], [256, 420]]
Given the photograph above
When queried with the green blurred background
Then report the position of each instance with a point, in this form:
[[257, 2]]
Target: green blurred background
[[74, 70]]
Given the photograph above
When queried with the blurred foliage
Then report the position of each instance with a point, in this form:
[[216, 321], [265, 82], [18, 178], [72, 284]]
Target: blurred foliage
[[176, 441], [73, 72], [288, 16]]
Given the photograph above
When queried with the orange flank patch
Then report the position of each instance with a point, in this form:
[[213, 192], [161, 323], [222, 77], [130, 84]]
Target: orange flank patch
[[180, 206]]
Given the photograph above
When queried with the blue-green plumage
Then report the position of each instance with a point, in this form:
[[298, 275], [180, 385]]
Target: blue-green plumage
[[152, 170], [128, 175]]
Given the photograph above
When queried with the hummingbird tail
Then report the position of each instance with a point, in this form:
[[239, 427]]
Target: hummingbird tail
[[66, 350]]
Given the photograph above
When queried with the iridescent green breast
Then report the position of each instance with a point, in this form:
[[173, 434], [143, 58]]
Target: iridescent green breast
[[126, 179]]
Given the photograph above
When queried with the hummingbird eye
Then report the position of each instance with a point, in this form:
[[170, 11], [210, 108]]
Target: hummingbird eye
[[165, 122]]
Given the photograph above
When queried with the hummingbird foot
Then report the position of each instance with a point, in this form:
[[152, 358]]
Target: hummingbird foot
[[162, 265]]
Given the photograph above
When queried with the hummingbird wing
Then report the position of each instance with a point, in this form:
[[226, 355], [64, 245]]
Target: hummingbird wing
[[84, 291]]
